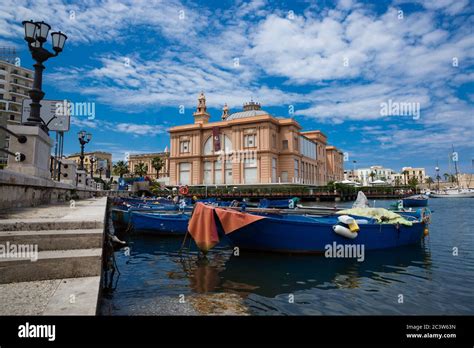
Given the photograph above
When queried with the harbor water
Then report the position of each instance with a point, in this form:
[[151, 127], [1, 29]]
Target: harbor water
[[434, 277]]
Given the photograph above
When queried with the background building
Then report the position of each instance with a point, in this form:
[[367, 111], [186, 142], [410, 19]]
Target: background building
[[334, 164], [410, 173], [247, 147], [366, 176], [15, 82], [147, 159], [104, 161]]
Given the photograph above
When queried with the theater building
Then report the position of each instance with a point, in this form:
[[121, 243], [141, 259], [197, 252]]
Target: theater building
[[246, 147]]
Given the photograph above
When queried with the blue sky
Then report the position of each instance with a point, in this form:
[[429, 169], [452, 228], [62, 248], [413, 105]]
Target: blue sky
[[333, 62]]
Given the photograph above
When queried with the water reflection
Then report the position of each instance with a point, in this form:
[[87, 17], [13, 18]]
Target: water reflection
[[269, 274]]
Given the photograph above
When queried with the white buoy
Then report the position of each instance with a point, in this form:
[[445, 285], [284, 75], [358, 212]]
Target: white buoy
[[344, 231]]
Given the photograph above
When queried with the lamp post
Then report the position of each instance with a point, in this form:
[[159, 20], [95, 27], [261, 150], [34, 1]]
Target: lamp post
[[36, 34], [92, 160], [84, 138], [437, 175], [353, 169]]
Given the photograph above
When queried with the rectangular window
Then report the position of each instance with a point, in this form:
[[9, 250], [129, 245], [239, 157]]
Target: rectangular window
[[218, 172], [274, 170], [274, 141], [207, 173], [184, 146], [285, 144], [250, 170], [185, 173], [228, 172], [307, 147], [249, 140], [297, 172]]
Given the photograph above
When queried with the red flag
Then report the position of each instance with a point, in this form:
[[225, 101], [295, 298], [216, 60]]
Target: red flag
[[217, 138]]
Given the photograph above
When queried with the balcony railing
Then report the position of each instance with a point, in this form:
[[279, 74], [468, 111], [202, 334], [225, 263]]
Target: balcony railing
[[22, 76]]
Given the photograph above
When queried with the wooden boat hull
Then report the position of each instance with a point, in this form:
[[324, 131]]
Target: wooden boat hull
[[160, 224], [312, 235]]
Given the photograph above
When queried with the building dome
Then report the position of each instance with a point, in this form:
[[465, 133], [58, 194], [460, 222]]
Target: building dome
[[250, 109], [244, 114]]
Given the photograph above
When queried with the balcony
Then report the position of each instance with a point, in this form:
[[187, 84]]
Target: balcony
[[22, 76], [21, 94], [21, 85]]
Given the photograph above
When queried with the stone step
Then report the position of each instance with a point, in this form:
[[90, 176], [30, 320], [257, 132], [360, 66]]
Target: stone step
[[51, 265], [75, 296], [48, 224], [54, 239]]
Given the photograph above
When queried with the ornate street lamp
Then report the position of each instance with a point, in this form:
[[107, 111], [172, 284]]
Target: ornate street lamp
[[36, 34], [93, 160], [84, 138]]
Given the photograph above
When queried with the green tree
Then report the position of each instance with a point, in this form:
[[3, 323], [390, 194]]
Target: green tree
[[397, 181], [413, 182], [157, 163], [447, 176], [372, 176], [120, 168], [429, 181], [141, 169]]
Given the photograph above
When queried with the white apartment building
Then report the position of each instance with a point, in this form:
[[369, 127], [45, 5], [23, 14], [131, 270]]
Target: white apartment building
[[15, 82], [366, 176]]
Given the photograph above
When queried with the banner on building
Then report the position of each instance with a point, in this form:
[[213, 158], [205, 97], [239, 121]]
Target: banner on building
[[217, 138]]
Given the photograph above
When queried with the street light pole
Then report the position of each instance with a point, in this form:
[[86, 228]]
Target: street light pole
[[92, 160], [36, 34], [84, 138]]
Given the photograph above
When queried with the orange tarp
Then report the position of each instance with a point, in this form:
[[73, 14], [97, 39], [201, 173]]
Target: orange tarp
[[202, 227], [233, 220]]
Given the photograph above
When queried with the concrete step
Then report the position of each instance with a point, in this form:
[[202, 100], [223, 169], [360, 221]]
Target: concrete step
[[55, 239], [51, 265], [48, 224], [76, 296]]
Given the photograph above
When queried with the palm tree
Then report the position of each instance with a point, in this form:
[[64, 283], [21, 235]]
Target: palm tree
[[397, 181], [120, 168], [157, 163], [141, 169], [372, 175], [429, 181], [446, 176], [413, 182]]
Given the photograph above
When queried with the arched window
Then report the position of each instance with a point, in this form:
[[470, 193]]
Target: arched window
[[208, 146], [226, 145]]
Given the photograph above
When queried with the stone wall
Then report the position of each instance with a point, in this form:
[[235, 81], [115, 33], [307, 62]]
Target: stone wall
[[21, 190]]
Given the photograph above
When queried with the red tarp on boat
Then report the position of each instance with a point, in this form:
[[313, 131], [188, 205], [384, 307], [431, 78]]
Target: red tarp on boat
[[202, 226], [233, 220]]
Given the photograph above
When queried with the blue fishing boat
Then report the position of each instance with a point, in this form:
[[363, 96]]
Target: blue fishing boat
[[170, 224], [121, 214], [308, 234], [278, 203], [415, 201]]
